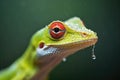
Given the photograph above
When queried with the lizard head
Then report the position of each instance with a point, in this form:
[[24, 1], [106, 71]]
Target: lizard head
[[59, 37]]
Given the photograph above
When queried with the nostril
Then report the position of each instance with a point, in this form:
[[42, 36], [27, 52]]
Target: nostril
[[84, 34]]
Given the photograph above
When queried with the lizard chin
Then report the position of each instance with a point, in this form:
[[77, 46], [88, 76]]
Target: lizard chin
[[50, 56]]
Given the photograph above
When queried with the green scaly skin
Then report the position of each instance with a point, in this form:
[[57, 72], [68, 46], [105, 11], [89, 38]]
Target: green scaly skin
[[31, 66]]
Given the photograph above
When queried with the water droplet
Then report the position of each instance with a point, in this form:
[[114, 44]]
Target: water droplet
[[93, 52], [64, 59], [93, 57]]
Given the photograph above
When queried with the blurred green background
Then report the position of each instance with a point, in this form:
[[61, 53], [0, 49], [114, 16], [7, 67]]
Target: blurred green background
[[19, 19]]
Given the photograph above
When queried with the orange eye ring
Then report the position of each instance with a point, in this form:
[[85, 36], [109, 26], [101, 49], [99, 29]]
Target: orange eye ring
[[57, 30]]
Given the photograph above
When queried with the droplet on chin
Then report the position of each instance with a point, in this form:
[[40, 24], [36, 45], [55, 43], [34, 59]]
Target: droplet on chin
[[64, 59]]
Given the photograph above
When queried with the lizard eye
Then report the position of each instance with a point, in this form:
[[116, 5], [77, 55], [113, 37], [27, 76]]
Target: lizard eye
[[57, 30]]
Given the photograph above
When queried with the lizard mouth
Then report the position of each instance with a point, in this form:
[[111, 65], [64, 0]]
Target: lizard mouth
[[67, 49]]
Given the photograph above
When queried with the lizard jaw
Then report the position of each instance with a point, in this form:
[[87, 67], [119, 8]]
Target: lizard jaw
[[49, 50], [48, 62]]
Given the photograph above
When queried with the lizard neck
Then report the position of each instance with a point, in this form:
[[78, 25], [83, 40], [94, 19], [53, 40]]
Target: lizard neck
[[29, 55], [30, 59]]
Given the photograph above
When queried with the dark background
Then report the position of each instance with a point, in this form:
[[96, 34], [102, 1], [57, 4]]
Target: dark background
[[19, 19]]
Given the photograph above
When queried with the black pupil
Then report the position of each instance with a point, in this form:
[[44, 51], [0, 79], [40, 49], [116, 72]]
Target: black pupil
[[56, 30]]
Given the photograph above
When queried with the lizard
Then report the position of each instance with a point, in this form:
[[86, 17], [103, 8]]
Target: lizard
[[48, 47]]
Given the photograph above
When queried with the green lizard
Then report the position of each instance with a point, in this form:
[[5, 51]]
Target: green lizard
[[48, 47]]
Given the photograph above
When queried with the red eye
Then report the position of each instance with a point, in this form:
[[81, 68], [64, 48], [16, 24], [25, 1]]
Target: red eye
[[57, 30]]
